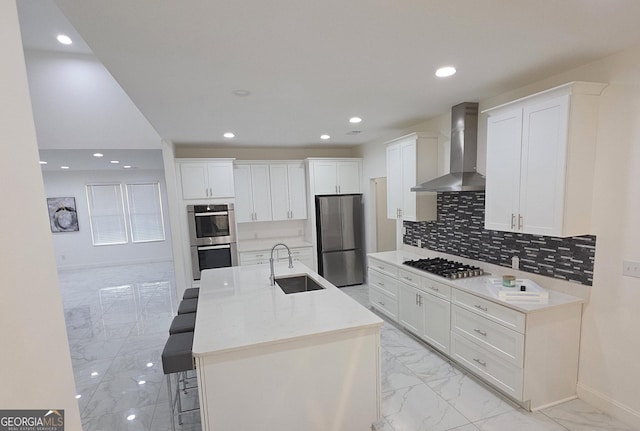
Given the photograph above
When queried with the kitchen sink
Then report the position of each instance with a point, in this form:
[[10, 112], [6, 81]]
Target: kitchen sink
[[297, 284]]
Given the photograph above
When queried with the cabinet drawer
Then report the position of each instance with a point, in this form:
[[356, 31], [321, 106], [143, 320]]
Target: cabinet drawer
[[499, 373], [503, 342], [383, 302], [253, 255], [383, 267], [435, 288], [409, 278], [384, 283], [498, 313], [295, 252]]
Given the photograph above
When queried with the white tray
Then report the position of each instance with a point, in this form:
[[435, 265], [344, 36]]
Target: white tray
[[534, 292]]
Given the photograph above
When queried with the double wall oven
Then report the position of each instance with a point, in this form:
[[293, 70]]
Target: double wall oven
[[212, 235]]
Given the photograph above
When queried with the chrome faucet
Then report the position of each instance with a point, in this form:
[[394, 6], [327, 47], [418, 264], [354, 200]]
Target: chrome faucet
[[272, 277]]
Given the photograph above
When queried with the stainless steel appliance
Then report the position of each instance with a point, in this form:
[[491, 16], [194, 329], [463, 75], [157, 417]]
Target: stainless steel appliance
[[445, 268], [212, 236], [339, 225]]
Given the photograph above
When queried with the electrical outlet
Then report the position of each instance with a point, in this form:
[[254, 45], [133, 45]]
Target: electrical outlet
[[404, 230], [515, 262], [630, 268], [420, 243]]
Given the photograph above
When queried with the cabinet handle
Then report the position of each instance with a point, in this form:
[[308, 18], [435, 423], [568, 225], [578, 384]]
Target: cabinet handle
[[480, 307], [408, 278], [420, 300], [381, 303], [416, 299], [380, 283], [339, 190], [513, 221], [484, 364], [400, 210], [434, 288], [484, 334], [380, 267], [520, 222]]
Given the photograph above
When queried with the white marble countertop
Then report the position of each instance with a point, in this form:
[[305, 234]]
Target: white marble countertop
[[480, 286], [266, 244], [238, 309]]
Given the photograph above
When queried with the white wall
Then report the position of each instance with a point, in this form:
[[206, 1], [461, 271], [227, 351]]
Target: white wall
[[609, 366], [35, 364], [75, 249]]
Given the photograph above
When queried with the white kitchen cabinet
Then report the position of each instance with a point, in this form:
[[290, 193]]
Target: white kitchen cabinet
[[335, 176], [532, 357], [207, 178], [288, 191], [540, 162], [253, 193], [298, 254], [423, 313], [411, 160]]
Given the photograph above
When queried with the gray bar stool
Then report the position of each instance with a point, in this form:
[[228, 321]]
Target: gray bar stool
[[191, 293], [188, 306], [177, 359], [183, 323]]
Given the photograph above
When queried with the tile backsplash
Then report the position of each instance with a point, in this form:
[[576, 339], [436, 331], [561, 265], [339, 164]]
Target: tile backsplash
[[460, 231]]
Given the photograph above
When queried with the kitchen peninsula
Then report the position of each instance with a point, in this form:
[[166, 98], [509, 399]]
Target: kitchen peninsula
[[267, 360]]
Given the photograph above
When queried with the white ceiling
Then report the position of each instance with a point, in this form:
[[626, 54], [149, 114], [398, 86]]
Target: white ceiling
[[310, 65], [83, 160]]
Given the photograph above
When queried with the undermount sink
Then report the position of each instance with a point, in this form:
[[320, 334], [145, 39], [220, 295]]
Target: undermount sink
[[297, 284]]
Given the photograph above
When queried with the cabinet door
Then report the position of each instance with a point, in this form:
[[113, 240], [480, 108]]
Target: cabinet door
[[324, 178], [297, 191], [244, 199], [394, 181], [410, 313], [195, 182], [348, 177], [409, 163], [437, 321], [220, 179], [544, 141], [261, 192], [280, 198], [504, 137]]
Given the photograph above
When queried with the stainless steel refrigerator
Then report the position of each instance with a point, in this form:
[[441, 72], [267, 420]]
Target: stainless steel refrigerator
[[339, 226]]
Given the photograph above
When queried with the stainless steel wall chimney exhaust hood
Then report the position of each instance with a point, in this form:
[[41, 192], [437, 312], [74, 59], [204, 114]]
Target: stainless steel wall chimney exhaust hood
[[462, 176]]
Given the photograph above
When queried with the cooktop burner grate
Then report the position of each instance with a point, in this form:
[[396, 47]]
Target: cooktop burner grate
[[445, 268]]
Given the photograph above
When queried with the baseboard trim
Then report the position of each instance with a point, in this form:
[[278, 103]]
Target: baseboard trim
[[114, 263], [610, 406]]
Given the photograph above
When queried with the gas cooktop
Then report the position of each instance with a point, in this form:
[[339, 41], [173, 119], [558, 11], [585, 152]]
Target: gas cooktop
[[445, 268]]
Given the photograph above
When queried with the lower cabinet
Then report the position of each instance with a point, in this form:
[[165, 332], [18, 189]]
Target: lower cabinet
[[423, 313], [531, 357]]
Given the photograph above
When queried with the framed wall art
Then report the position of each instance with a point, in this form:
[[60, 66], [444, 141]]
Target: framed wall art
[[62, 214]]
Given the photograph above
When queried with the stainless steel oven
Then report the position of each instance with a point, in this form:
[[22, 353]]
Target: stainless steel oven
[[212, 236]]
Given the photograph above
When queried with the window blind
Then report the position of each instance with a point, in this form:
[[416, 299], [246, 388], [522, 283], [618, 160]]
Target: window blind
[[145, 212], [106, 214]]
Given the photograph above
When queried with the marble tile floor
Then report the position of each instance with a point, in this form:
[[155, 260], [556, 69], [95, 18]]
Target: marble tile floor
[[117, 323]]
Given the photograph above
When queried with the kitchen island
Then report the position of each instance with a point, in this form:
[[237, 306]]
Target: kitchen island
[[267, 360]]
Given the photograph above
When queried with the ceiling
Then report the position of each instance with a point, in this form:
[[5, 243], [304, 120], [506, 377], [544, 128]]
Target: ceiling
[[311, 65]]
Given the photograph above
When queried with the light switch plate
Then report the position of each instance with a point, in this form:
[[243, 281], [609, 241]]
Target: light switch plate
[[630, 268], [420, 243], [515, 262]]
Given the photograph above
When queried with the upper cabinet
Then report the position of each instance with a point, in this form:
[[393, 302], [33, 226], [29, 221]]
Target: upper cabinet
[[540, 162], [335, 176], [204, 179], [411, 160], [253, 192], [288, 191]]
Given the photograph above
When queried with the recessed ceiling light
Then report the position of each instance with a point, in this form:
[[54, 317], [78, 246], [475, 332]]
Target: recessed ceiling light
[[115, 162], [149, 364], [95, 373], [142, 382], [131, 417], [64, 39], [325, 137], [78, 396], [42, 162], [127, 167], [64, 167], [98, 154], [229, 135], [443, 72], [241, 93], [355, 120]]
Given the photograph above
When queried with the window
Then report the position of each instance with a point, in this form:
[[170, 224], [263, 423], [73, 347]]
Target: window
[[106, 214], [145, 212]]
